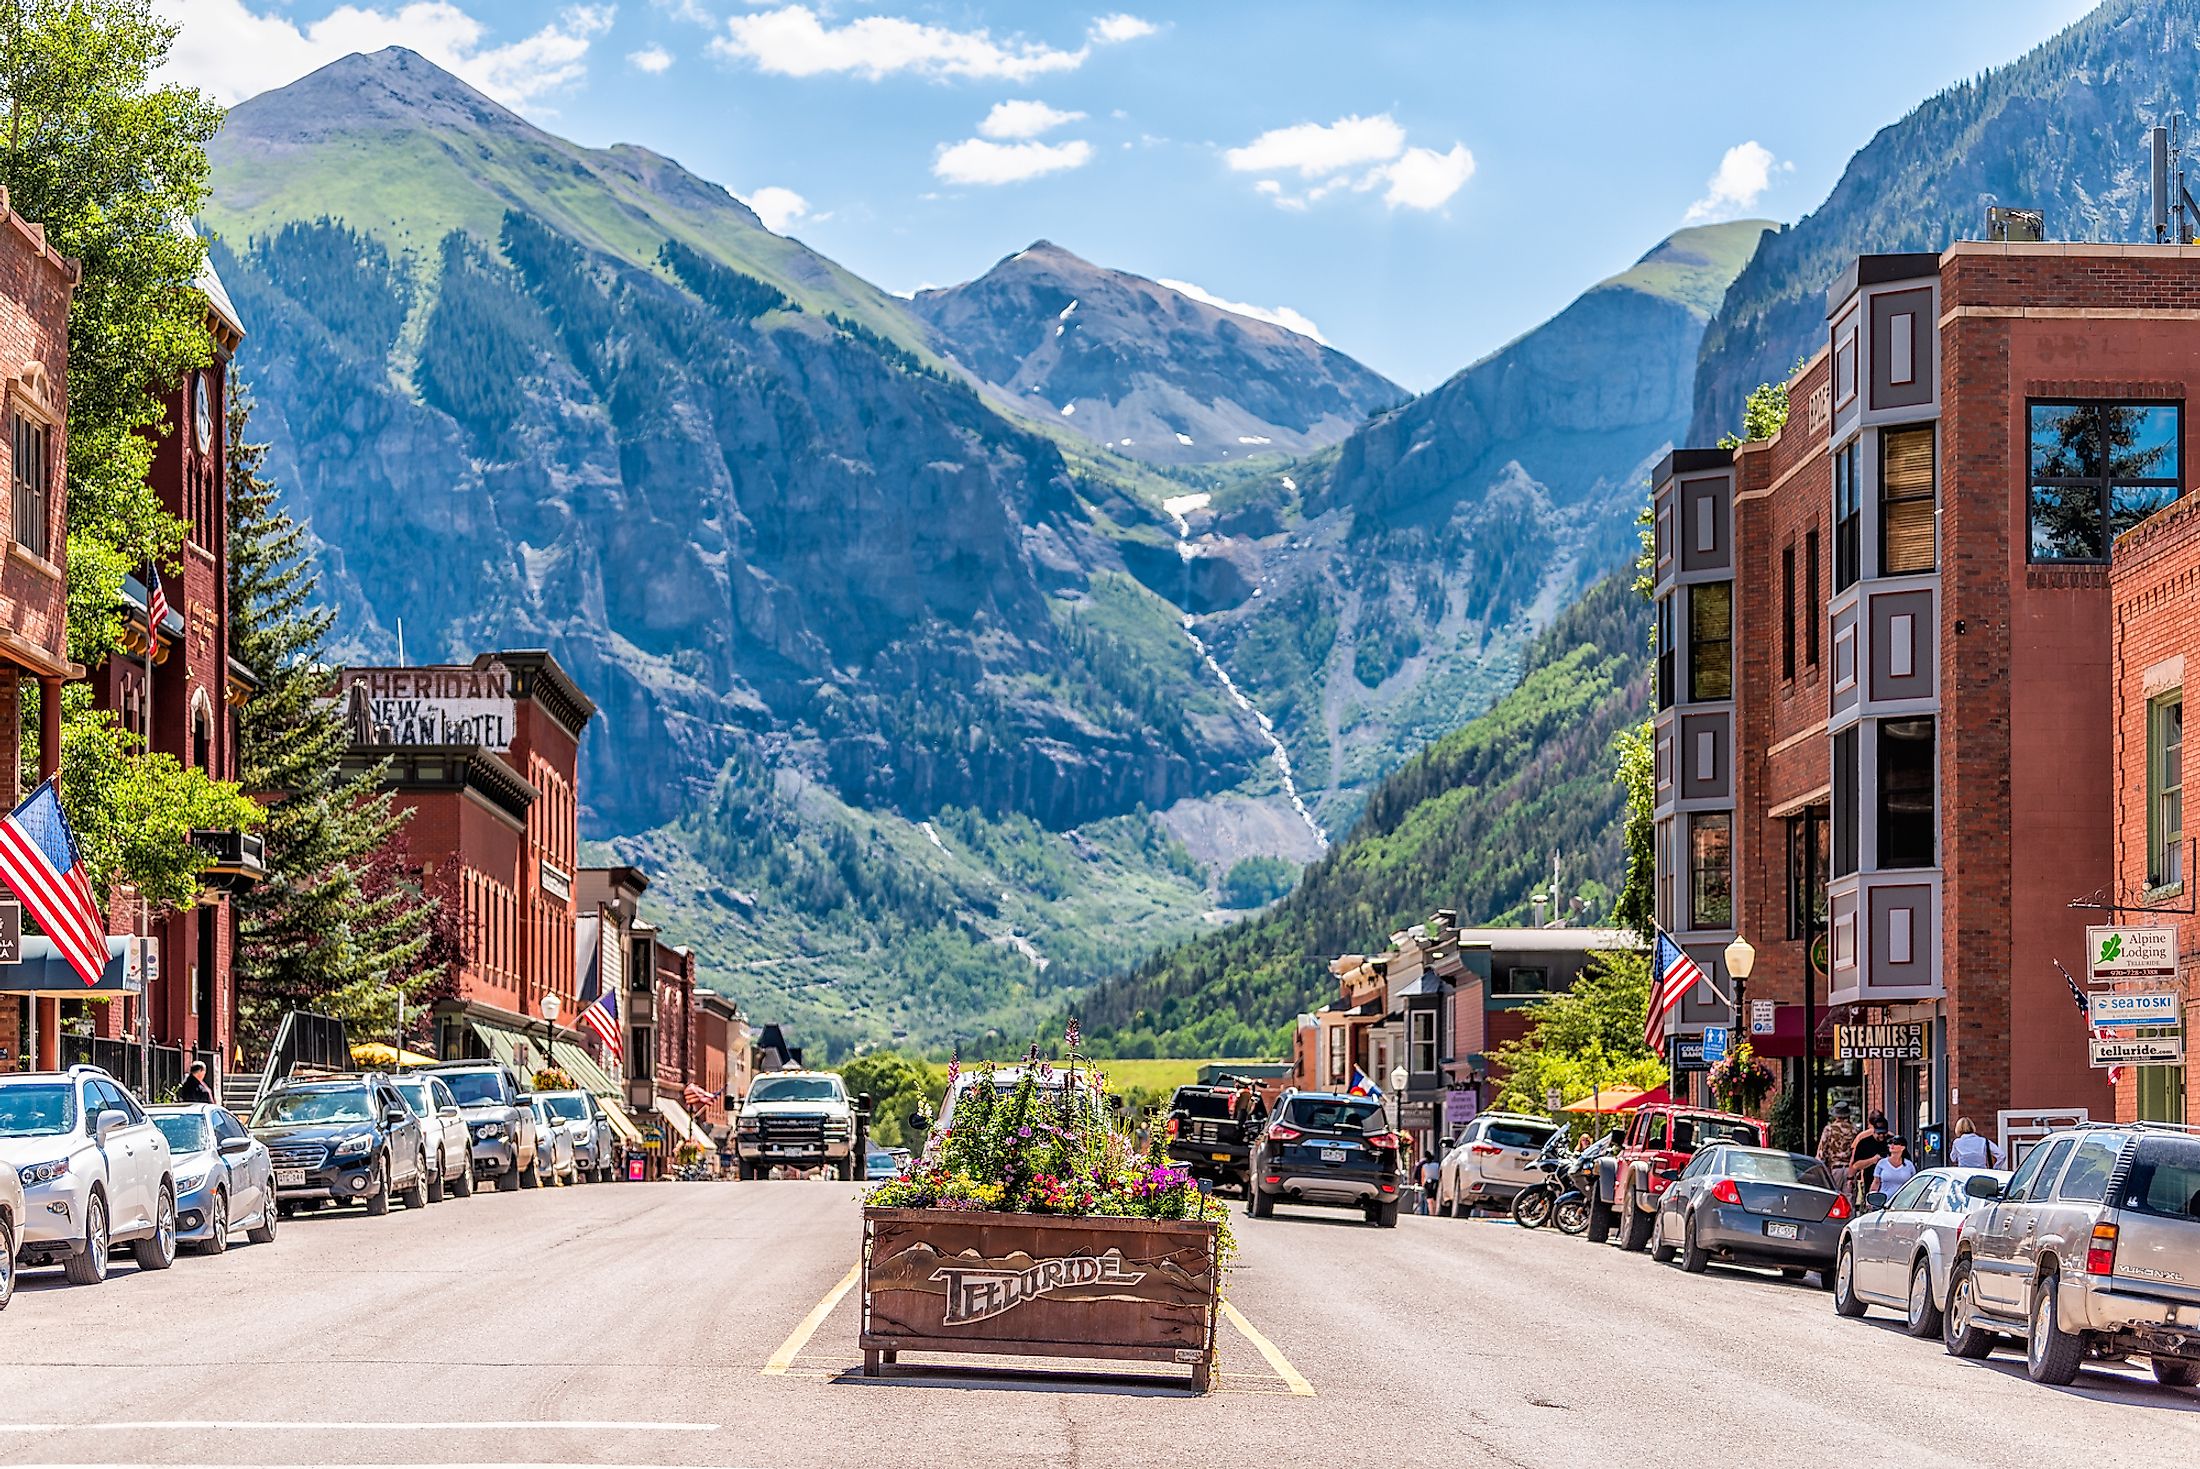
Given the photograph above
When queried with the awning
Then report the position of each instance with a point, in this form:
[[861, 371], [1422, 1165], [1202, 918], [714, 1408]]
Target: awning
[[44, 972], [1621, 1099], [676, 1118], [575, 1062], [621, 1124], [497, 1039]]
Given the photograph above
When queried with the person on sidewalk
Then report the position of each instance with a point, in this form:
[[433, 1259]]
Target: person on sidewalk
[[1895, 1169], [1836, 1142], [1425, 1176], [1973, 1149], [1871, 1146], [194, 1088]]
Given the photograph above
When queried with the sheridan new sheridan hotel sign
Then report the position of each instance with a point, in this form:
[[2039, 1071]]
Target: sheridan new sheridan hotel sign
[[451, 705]]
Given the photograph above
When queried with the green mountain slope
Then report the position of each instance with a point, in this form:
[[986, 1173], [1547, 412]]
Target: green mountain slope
[[1470, 823], [2061, 130]]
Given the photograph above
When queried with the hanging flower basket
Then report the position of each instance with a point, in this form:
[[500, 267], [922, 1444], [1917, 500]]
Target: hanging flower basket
[[1740, 1081]]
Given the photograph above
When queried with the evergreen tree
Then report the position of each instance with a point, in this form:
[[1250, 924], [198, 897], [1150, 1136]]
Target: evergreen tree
[[339, 925]]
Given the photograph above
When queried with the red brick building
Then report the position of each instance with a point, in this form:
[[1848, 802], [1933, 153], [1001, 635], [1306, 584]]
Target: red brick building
[[36, 284], [485, 754], [2154, 586], [1884, 667]]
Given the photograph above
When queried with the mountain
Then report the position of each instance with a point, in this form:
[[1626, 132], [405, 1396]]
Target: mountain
[[1399, 575], [2061, 130], [1473, 819], [1145, 369]]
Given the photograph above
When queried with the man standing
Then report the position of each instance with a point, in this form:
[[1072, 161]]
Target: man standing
[[194, 1088], [1836, 1144], [1871, 1146]]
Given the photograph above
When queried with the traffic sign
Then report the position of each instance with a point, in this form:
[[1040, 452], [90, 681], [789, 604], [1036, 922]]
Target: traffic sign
[[1553, 1099], [1714, 1044], [1763, 1017], [2135, 1007]]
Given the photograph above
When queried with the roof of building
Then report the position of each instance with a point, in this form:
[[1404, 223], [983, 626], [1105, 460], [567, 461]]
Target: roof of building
[[1553, 940], [1878, 270], [209, 284], [536, 675], [449, 767]]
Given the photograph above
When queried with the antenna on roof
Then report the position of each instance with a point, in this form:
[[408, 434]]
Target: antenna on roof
[[401, 643], [2174, 210]]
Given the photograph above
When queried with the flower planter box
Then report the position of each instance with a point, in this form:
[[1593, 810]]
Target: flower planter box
[[953, 1280]]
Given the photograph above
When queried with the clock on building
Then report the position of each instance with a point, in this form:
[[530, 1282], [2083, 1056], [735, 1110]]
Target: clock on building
[[205, 415]]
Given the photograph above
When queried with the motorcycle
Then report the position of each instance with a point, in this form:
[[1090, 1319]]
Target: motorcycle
[[1561, 1199], [1532, 1206]]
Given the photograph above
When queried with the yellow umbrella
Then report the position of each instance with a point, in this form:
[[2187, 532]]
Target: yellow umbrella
[[378, 1053]]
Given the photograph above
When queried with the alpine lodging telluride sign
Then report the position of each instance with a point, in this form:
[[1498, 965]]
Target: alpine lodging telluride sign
[[952, 1280]]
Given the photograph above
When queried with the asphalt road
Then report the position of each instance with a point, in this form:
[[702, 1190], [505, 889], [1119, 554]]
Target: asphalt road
[[662, 1324]]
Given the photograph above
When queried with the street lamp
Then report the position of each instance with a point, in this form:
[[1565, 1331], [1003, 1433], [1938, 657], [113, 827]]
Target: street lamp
[[1399, 1076], [1741, 958]]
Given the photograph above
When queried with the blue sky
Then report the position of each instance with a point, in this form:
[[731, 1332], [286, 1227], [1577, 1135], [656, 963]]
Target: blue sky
[[1420, 182]]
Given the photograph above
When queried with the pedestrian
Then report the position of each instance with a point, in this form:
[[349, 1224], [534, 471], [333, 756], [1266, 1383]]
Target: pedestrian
[[1974, 1149], [1836, 1141], [1895, 1169], [1871, 1146], [194, 1088], [1425, 1176]]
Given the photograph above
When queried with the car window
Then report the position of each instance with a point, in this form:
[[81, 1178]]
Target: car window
[[1332, 1114], [568, 1107], [441, 1093], [327, 1104], [1654, 1137], [1711, 1130], [2086, 1180], [2165, 1177], [1777, 1168], [113, 1096], [37, 1109], [1684, 1135], [2038, 1171], [1200, 1102], [1914, 1193], [796, 1089], [187, 1132], [1701, 1163], [1519, 1134], [473, 1087]]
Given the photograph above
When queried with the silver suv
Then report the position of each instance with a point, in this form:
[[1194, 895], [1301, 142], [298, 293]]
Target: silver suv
[[2092, 1249]]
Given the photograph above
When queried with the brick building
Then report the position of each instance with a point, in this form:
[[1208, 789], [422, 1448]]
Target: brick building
[[2154, 587], [1883, 671], [485, 755], [36, 284]]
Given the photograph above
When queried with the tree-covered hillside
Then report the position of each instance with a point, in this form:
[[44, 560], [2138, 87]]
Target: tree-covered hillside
[[1470, 823]]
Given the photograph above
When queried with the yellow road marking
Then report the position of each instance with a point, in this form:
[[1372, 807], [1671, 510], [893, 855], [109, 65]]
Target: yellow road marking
[[1277, 1361], [800, 1336]]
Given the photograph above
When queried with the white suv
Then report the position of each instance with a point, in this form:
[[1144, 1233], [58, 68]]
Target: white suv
[[1492, 1160], [94, 1170]]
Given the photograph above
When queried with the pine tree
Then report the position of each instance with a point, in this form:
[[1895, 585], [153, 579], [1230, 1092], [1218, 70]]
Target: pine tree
[[336, 926]]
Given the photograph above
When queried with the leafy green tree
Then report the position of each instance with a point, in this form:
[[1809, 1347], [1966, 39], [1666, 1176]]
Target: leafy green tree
[[333, 927], [1637, 772], [897, 1084], [1586, 1039], [1254, 882]]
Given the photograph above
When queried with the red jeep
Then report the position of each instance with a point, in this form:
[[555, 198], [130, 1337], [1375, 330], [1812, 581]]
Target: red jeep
[[1664, 1135]]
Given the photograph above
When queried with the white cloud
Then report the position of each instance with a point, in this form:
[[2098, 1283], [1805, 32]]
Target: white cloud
[[653, 59], [1283, 316], [1314, 149], [1024, 118], [1111, 30], [777, 207], [794, 41], [976, 161], [1422, 178], [235, 51], [1744, 173]]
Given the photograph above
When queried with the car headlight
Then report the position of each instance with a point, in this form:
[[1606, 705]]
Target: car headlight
[[358, 1142], [34, 1174], [190, 1184], [748, 1124], [489, 1129]]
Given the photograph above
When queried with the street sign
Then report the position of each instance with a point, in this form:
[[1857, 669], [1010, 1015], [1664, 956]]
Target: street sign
[[1903, 1041], [1714, 1044], [1688, 1053], [2167, 1050], [1553, 1099], [2135, 1007], [1460, 1105], [2131, 955], [11, 933], [1763, 1017]]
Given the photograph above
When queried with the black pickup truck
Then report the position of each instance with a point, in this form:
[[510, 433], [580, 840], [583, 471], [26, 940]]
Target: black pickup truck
[[1210, 1132]]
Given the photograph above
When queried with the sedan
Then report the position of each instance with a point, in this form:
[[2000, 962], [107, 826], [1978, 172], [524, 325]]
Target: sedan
[[225, 1179], [1897, 1252], [1751, 1206], [560, 1160]]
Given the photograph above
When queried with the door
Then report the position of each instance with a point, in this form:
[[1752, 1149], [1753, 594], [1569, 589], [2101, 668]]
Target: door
[[133, 1163], [1880, 1244], [249, 1171], [2004, 1248]]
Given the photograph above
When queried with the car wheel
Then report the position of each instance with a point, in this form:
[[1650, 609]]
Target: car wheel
[[2168, 1371], [217, 1225], [157, 1251], [531, 1175], [263, 1233], [464, 1185], [7, 1263], [1634, 1230], [436, 1187], [1660, 1251], [2051, 1354], [1846, 1302], [1922, 1319], [378, 1196], [1960, 1332], [510, 1179], [1384, 1216], [1694, 1257], [416, 1192], [88, 1266], [1600, 1220], [1260, 1205]]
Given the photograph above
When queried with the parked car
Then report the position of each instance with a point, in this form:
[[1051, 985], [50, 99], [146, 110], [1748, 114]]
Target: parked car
[[595, 1149], [1210, 1131], [11, 1231], [94, 1172], [450, 1142], [1896, 1252], [879, 1165], [796, 1119], [1490, 1162], [493, 1102], [559, 1164], [1660, 1141], [224, 1177], [343, 1139], [2090, 1249], [1328, 1149], [1750, 1206]]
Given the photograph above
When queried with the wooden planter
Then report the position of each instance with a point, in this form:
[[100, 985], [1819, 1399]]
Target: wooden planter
[[951, 1280]]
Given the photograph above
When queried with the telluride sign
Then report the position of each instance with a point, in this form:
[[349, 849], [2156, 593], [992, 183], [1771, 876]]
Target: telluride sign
[[978, 1293]]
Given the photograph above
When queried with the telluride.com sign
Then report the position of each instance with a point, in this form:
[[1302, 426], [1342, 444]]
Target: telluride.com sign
[[431, 706]]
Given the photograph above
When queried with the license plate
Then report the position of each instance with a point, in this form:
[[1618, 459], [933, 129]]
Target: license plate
[[1781, 1229], [290, 1178], [1332, 1155], [1225, 1157]]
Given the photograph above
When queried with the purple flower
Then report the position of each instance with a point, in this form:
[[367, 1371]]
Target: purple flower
[[1071, 1035], [1023, 1132]]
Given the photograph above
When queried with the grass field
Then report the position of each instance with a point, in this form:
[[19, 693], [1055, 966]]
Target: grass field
[[1161, 1074]]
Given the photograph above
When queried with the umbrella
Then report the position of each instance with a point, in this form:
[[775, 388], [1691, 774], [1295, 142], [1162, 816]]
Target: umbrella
[[1620, 1099], [378, 1053]]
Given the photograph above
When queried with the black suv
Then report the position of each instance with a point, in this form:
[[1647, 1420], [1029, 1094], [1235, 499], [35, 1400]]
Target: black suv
[[342, 1139], [1211, 1130], [1329, 1149]]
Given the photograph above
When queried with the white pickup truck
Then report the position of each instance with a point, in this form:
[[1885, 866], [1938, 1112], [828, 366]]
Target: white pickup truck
[[796, 1119]]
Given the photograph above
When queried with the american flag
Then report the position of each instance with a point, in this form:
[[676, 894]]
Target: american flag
[[601, 1015], [156, 599], [38, 860], [2098, 1032], [697, 1097], [1673, 974]]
